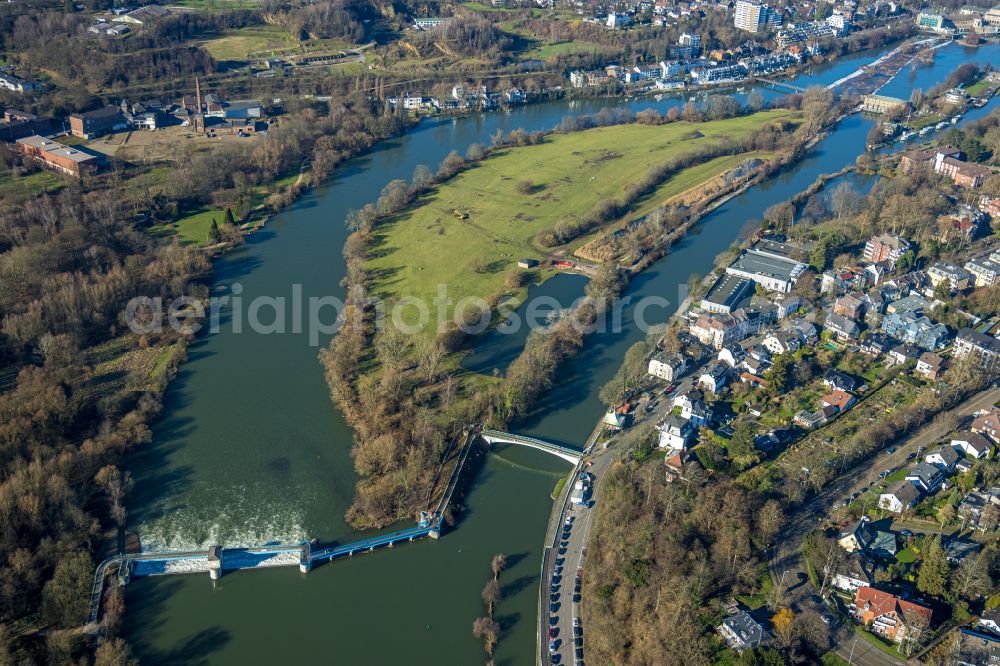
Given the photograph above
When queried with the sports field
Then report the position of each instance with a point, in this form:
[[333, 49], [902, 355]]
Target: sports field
[[517, 193]]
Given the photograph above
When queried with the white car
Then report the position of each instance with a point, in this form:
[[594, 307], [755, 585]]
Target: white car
[[576, 622]]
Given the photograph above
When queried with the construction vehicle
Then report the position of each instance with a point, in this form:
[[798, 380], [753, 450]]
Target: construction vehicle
[[460, 214]]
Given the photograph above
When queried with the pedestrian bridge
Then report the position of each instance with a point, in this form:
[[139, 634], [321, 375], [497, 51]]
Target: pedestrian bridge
[[498, 437]]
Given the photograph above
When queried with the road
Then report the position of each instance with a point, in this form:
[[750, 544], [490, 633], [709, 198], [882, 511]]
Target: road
[[785, 561], [559, 608]]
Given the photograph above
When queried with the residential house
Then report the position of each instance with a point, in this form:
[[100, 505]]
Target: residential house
[[696, 412], [963, 174], [875, 344], [899, 497], [840, 400], [614, 419], [972, 444], [965, 222], [788, 305], [885, 248], [925, 476], [985, 270], [887, 615], [915, 160], [774, 270], [731, 355], [674, 432], [911, 328], [841, 327], [901, 354], [840, 381], [668, 366], [713, 378], [810, 420], [987, 423], [957, 549], [931, 366], [850, 306], [981, 509], [944, 458], [783, 341], [984, 348], [851, 575], [856, 536], [883, 545], [954, 277], [742, 632]]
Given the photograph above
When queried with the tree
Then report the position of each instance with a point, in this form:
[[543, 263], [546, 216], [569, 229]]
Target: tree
[[422, 176], [491, 595], [66, 597], [228, 217], [971, 579], [916, 631], [778, 375], [498, 564], [214, 232], [784, 626], [114, 652], [742, 447], [932, 577], [488, 630], [755, 100], [116, 484], [392, 346]]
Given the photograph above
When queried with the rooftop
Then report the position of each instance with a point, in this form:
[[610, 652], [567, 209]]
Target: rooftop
[[56, 148]]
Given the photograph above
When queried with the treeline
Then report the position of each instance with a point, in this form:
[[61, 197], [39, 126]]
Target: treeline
[[663, 555], [466, 35], [326, 19], [68, 265]]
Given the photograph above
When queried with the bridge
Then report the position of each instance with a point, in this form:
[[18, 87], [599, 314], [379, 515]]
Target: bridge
[[498, 437], [774, 83]]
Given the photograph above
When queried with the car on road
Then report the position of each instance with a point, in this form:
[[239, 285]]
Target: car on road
[[816, 599], [579, 654], [553, 632], [576, 622], [906, 533], [576, 597], [891, 450], [553, 645], [911, 456], [553, 620], [577, 630], [554, 607], [570, 519]]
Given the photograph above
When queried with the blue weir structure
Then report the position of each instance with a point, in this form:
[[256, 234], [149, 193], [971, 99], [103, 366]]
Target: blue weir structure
[[216, 559]]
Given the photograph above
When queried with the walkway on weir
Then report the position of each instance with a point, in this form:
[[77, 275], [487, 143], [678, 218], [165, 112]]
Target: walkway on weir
[[216, 559]]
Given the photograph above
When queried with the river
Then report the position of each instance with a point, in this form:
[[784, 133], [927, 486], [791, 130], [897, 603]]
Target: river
[[250, 449]]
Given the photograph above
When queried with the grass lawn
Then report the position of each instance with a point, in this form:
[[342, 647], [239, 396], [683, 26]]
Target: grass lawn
[[898, 475], [428, 246], [978, 88], [831, 659], [196, 228], [560, 484], [216, 5], [19, 188], [257, 39], [480, 7], [880, 643], [906, 556], [551, 50]]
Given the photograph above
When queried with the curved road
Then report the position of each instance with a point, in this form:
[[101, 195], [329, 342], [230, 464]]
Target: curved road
[[786, 557]]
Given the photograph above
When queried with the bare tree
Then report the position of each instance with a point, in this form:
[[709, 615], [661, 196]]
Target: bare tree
[[498, 564], [116, 484], [488, 630]]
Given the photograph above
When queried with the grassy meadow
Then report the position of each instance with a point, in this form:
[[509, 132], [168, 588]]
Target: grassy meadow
[[564, 177]]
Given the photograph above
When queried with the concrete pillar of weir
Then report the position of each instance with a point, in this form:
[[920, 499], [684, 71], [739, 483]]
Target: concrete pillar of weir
[[215, 562], [305, 558]]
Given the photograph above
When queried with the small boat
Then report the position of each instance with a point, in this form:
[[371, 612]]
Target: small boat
[[955, 120], [905, 136], [924, 131]]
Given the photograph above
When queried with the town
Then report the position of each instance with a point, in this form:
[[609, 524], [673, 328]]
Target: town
[[786, 359]]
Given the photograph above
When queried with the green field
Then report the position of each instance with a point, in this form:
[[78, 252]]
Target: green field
[[569, 173], [551, 50], [243, 43], [979, 87], [20, 188], [216, 5], [196, 228]]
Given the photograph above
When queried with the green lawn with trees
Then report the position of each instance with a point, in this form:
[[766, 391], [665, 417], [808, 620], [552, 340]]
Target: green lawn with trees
[[469, 232]]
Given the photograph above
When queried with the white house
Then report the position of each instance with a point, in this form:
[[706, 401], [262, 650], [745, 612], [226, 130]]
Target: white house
[[713, 378], [674, 432], [667, 366], [971, 444], [944, 458], [899, 497]]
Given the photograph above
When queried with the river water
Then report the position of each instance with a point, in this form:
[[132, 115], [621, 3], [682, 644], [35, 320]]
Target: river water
[[250, 449]]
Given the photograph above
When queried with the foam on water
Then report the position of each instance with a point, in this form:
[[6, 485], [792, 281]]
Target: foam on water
[[235, 518]]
